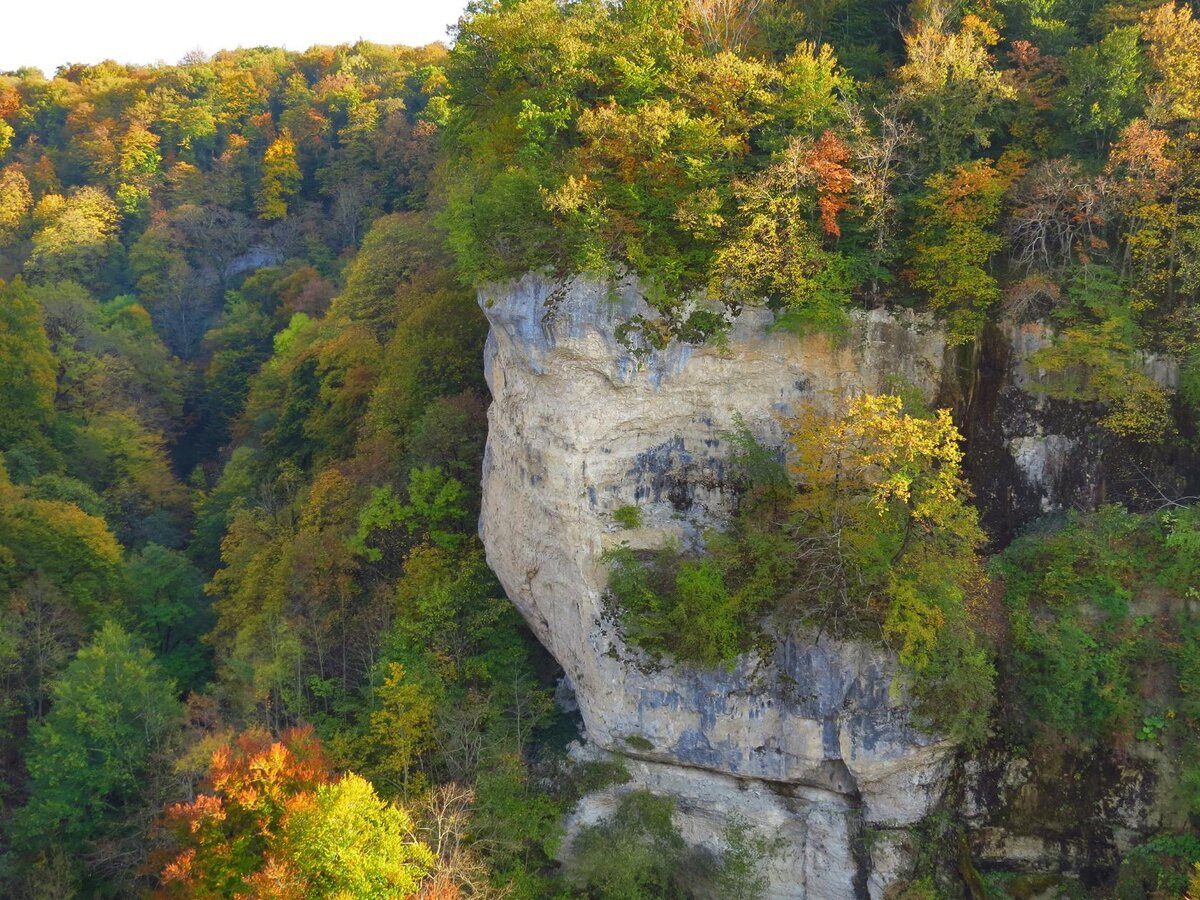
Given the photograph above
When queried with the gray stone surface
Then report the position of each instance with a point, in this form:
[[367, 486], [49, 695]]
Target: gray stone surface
[[815, 743], [577, 430]]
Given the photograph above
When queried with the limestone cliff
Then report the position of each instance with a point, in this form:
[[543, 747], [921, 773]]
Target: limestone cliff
[[815, 744]]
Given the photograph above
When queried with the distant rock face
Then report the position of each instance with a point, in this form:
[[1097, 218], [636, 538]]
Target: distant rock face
[[815, 739], [1029, 454]]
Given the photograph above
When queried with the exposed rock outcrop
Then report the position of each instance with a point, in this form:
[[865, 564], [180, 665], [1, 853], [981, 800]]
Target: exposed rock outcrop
[[578, 430], [814, 744], [1030, 454]]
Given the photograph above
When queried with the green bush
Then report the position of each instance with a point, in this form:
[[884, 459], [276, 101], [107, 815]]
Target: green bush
[[628, 516], [1077, 650], [636, 854], [1159, 867], [679, 605]]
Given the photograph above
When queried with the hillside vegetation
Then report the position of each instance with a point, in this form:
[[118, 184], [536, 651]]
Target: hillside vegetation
[[249, 643]]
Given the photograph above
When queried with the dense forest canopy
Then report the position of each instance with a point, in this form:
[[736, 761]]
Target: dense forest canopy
[[979, 159], [243, 606]]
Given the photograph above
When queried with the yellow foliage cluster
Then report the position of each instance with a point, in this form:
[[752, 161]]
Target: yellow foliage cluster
[[877, 449], [887, 542]]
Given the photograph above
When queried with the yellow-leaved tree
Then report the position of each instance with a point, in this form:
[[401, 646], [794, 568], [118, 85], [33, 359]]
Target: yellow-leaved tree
[[887, 544], [281, 178]]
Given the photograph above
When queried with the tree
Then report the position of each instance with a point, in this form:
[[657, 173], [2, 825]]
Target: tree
[[1097, 361], [94, 761], [777, 253], [138, 164], [954, 243], [74, 550], [636, 855], [1172, 35], [1146, 178], [281, 178], [449, 606], [402, 727], [347, 843], [75, 236], [271, 817], [885, 539], [1102, 85], [27, 367], [166, 593], [15, 202], [129, 464], [41, 632], [723, 23], [879, 158], [950, 86], [167, 284], [1057, 219]]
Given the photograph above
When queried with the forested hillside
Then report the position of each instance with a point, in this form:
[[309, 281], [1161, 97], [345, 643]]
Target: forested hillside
[[242, 421], [249, 642]]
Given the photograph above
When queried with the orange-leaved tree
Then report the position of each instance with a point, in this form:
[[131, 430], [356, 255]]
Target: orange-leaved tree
[[272, 820]]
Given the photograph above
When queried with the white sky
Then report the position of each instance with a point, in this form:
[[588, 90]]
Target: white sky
[[146, 31]]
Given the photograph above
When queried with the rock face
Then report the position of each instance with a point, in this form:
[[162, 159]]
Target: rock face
[[813, 745], [812, 742], [1029, 454]]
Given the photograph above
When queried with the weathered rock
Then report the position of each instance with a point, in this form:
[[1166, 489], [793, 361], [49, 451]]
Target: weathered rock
[[814, 743], [577, 430], [1030, 452], [815, 836], [1068, 812]]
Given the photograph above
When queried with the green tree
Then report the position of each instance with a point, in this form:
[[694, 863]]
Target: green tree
[[955, 242], [636, 855], [351, 844], [949, 84], [27, 367], [1103, 85], [166, 593], [139, 162], [75, 551], [402, 727], [95, 761]]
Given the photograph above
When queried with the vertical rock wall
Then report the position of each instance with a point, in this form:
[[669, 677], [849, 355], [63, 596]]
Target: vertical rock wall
[[812, 742], [812, 745]]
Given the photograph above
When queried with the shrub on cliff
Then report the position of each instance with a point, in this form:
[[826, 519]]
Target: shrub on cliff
[[871, 536], [1104, 648]]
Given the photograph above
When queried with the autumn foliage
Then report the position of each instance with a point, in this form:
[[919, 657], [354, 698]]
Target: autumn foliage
[[272, 820]]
